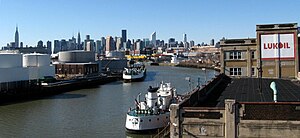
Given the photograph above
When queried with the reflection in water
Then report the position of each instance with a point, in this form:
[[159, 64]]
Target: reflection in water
[[96, 112]]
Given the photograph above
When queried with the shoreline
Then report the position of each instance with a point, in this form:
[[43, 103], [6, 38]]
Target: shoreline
[[190, 65]]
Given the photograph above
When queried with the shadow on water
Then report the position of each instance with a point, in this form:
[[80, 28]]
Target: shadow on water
[[66, 96], [130, 135], [16, 100], [119, 82]]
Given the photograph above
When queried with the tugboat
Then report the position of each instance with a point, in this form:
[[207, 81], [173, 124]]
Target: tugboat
[[152, 113], [135, 72]]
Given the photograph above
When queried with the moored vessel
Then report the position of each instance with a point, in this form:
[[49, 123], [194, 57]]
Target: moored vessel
[[152, 113], [134, 72]]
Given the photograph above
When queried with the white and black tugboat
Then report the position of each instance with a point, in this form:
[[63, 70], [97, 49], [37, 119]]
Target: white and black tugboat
[[152, 113], [134, 72]]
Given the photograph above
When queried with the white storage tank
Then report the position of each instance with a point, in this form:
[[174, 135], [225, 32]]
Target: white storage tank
[[76, 56], [10, 60], [36, 60]]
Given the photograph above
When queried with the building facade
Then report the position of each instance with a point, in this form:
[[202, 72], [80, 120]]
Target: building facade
[[274, 53], [239, 57], [277, 45]]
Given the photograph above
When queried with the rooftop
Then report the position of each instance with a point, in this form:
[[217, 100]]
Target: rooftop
[[247, 90]]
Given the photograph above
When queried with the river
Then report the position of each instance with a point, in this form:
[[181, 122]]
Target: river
[[94, 112]]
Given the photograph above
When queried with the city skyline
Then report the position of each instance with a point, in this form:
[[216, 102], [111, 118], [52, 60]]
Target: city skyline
[[200, 20]]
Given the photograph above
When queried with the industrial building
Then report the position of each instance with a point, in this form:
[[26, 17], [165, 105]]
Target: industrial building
[[274, 53], [77, 63], [238, 57], [278, 49]]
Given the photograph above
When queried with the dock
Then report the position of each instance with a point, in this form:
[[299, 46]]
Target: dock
[[36, 90]]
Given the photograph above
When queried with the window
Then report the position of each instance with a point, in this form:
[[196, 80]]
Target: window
[[235, 71], [235, 55], [252, 71], [252, 54]]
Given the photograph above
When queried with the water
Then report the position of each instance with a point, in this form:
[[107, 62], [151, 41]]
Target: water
[[96, 112]]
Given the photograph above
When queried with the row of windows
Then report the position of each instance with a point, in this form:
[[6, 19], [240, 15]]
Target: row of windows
[[238, 71], [238, 55], [235, 71], [235, 55]]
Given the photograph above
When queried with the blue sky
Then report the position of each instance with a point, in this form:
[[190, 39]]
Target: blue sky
[[201, 20]]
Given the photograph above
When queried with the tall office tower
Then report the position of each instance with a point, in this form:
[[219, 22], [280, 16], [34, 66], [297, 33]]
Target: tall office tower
[[16, 38], [98, 46], [72, 44], [192, 43], [212, 42], [21, 44], [49, 47], [153, 39], [79, 42], [109, 44], [184, 38], [40, 44], [146, 42], [172, 42], [103, 43], [63, 45], [119, 44], [124, 36], [89, 46], [128, 44], [57, 46], [138, 45], [87, 39]]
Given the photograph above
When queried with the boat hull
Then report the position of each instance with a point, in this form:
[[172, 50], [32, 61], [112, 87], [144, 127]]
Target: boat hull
[[146, 123], [135, 78]]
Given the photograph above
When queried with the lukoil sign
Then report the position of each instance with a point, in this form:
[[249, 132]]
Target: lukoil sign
[[275, 46]]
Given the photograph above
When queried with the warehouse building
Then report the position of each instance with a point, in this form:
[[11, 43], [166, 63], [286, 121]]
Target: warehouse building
[[277, 45], [238, 57], [274, 53]]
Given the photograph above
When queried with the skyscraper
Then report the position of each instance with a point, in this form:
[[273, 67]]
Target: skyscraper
[[98, 46], [212, 42], [119, 44], [109, 44], [17, 37], [49, 47], [57, 46], [87, 39], [79, 42], [124, 36], [40, 44], [192, 43], [185, 43], [103, 42], [172, 42], [153, 39]]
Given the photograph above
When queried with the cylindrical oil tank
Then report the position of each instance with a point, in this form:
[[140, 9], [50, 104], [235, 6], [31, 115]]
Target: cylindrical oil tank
[[36, 60], [10, 60], [77, 56], [115, 54]]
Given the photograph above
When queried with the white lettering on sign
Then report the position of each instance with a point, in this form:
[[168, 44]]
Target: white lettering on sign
[[274, 46]]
